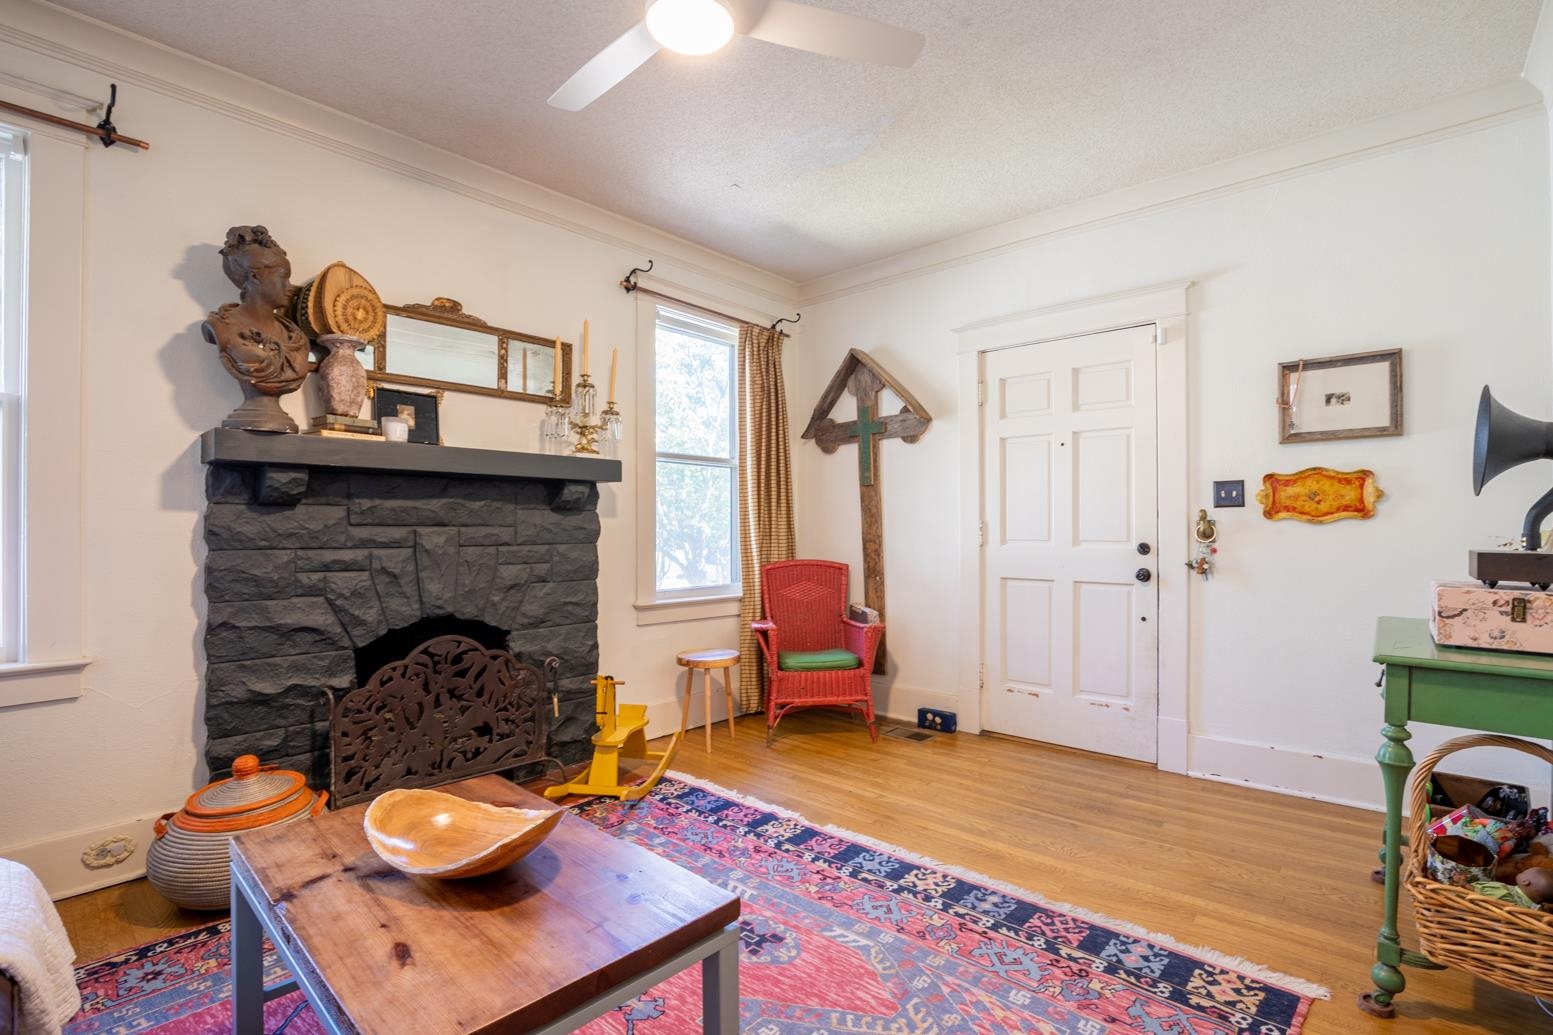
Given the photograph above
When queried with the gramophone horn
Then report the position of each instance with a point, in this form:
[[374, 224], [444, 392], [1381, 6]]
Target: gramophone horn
[[1505, 439]]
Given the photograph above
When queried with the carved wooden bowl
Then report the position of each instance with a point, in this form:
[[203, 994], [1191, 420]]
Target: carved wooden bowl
[[432, 834]]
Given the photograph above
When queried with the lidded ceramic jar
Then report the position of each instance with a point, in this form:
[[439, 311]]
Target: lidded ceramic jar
[[189, 861]]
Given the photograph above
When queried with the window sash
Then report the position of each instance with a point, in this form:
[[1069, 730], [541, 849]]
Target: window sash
[[715, 332]]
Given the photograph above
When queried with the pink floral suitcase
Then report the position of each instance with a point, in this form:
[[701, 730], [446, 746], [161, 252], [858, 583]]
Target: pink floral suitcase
[[1469, 614]]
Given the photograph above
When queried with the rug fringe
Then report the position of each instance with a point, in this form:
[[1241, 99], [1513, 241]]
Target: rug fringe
[[1299, 986]]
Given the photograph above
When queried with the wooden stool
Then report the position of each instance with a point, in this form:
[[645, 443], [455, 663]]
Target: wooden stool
[[705, 661]]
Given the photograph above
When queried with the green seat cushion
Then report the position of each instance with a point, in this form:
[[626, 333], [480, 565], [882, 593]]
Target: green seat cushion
[[816, 660]]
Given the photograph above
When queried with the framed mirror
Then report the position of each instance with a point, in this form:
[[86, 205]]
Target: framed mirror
[[438, 345]]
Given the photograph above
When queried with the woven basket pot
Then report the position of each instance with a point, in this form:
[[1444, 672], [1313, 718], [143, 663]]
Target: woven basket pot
[[1509, 945], [189, 861]]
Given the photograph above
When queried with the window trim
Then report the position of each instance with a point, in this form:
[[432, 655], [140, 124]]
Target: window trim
[[50, 659], [13, 395], [652, 607]]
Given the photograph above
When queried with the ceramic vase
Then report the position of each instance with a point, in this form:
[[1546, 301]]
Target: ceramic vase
[[342, 379]]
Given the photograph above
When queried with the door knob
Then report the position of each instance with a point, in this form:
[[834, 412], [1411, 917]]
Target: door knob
[[1144, 549], [1143, 575]]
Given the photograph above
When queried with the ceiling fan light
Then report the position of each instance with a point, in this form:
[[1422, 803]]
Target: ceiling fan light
[[691, 27]]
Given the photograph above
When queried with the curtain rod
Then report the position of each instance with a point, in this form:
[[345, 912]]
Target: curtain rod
[[104, 130], [629, 284]]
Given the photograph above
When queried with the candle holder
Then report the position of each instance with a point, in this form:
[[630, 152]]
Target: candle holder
[[612, 429], [582, 420], [555, 428]]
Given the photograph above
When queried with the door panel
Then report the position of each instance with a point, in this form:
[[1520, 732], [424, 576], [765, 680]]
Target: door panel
[[1102, 486], [1102, 623], [1027, 607], [1069, 491], [1027, 506]]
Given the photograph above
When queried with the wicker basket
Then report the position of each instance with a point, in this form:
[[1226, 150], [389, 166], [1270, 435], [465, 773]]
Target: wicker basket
[[1509, 945]]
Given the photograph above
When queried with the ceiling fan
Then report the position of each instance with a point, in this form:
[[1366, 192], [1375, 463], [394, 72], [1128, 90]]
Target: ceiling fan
[[698, 27]]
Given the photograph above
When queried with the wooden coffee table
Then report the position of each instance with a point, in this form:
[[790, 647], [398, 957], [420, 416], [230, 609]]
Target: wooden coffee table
[[564, 935]]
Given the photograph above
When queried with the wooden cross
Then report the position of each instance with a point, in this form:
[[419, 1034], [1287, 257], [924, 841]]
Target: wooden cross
[[861, 375]]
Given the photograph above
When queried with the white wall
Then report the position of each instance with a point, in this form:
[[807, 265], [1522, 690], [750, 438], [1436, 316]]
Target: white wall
[[131, 747], [1539, 62], [1441, 249]]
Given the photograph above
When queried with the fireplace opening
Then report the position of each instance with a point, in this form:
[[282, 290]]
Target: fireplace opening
[[396, 644]]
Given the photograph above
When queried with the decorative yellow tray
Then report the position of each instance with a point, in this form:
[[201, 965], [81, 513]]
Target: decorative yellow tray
[[1319, 495]]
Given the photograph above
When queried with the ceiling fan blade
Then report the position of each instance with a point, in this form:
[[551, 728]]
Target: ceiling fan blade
[[840, 35], [607, 67]]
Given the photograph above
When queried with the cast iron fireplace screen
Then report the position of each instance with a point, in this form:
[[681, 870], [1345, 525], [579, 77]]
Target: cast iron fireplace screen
[[451, 709]]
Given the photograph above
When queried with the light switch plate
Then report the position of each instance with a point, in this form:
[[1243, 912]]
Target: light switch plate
[[1229, 494]]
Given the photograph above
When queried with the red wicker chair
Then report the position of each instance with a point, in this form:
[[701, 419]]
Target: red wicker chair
[[814, 654]]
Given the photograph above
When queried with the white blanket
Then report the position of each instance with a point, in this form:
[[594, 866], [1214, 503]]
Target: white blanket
[[35, 952]]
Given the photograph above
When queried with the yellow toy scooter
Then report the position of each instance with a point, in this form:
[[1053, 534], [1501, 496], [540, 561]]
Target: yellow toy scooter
[[622, 733]]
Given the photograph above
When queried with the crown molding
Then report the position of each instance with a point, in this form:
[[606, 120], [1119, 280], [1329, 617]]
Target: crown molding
[[1481, 109], [129, 59]]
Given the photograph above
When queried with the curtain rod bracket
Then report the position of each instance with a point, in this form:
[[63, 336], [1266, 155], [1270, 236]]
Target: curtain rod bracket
[[628, 282], [784, 319], [106, 129]]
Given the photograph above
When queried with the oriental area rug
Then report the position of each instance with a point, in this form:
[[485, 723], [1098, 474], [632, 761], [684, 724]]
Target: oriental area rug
[[840, 934]]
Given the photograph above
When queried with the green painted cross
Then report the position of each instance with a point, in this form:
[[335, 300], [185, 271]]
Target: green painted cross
[[867, 428], [862, 375]]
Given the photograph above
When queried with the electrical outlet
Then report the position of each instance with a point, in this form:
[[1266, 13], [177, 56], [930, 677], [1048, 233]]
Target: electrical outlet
[[936, 719], [1229, 494]]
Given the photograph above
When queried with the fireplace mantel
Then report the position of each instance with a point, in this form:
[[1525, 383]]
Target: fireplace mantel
[[284, 462], [231, 446]]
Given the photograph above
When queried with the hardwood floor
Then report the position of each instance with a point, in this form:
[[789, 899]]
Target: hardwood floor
[[1280, 881]]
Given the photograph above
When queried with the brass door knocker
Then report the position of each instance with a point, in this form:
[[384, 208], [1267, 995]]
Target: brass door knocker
[[1206, 532]]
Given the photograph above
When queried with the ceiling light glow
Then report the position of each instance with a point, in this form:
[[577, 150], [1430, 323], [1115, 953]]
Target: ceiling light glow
[[691, 27]]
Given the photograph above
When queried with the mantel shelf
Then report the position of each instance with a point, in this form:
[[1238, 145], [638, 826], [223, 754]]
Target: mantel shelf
[[231, 446]]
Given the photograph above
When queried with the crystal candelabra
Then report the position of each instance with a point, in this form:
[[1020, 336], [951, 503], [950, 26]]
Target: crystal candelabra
[[595, 432], [584, 420]]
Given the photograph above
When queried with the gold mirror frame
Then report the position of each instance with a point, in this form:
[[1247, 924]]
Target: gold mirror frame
[[450, 313]]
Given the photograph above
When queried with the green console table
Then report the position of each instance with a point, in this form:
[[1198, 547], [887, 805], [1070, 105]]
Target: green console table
[[1497, 692]]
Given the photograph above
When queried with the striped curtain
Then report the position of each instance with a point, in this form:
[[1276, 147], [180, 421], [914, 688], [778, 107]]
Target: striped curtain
[[765, 489]]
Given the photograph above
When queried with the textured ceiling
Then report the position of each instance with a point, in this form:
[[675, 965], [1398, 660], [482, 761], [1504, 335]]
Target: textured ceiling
[[805, 165]]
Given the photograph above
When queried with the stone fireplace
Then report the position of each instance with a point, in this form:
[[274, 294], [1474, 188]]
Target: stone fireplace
[[325, 553]]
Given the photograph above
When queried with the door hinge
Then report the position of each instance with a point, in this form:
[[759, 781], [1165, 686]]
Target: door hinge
[[981, 677], [981, 393], [981, 534]]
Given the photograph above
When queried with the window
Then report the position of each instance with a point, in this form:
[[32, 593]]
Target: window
[[42, 227], [695, 459], [13, 241]]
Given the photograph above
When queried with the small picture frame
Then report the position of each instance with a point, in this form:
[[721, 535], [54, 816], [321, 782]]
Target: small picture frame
[[419, 408], [1333, 397]]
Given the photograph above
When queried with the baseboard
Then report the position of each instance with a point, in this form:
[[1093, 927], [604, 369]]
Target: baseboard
[[59, 864], [1339, 779], [901, 702]]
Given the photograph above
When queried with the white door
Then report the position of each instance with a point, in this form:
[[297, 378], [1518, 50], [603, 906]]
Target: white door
[[1068, 473]]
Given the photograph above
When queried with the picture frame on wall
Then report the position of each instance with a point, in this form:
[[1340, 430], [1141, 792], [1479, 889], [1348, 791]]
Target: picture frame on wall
[[420, 409], [1334, 397]]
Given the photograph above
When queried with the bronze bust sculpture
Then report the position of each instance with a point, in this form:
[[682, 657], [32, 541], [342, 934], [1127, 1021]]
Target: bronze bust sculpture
[[263, 350]]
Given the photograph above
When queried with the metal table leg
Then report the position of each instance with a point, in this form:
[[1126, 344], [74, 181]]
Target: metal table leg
[[247, 966], [720, 991]]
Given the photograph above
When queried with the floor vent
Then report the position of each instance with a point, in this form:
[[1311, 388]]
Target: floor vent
[[907, 733]]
